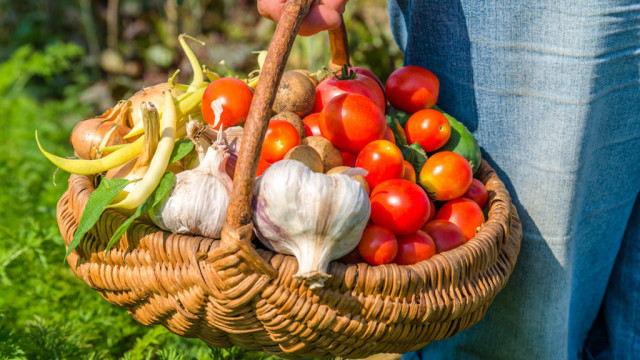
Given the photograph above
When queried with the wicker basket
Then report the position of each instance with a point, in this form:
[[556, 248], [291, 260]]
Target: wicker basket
[[226, 292]]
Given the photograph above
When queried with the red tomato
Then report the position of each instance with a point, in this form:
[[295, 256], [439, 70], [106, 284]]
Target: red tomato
[[235, 98], [262, 166], [311, 124], [348, 159], [429, 128], [414, 248], [412, 88], [464, 213], [388, 135], [383, 160], [432, 212], [446, 175], [445, 234], [378, 245], [281, 137], [477, 192], [351, 121], [409, 172], [360, 84], [399, 205], [369, 73]]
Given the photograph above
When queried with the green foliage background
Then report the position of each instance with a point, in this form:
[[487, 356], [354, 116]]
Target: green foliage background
[[63, 61]]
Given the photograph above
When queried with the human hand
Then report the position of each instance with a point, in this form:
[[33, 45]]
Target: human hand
[[323, 14]]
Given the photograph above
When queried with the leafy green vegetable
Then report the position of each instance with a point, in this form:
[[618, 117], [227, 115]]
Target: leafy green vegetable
[[98, 200], [161, 191], [415, 155], [181, 149]]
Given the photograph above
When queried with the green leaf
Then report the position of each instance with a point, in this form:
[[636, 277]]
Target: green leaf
[[397, 130], [415, 155], [161, 191], [399, 115], [98, 200], [181, 149]]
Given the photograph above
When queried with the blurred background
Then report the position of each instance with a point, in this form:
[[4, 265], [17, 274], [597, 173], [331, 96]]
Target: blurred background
[[66, 60]]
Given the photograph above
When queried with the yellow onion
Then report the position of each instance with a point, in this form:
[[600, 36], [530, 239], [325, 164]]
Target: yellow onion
[[91, 135]]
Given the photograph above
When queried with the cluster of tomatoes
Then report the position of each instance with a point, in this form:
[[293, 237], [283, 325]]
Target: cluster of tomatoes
[[351, 112], [405, 226]]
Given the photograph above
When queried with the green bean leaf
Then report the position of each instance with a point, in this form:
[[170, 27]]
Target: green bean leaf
[[98, 200], [181, 149]]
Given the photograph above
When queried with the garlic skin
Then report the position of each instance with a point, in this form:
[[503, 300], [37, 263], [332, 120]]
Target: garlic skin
[[198, 201], [312, 216], [203, 136]]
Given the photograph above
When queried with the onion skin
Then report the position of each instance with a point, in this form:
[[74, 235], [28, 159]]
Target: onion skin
[[93, 134]]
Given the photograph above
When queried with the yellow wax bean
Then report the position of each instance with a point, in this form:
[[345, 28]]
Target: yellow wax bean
[[145, 187], [87, 167], [186, 104]]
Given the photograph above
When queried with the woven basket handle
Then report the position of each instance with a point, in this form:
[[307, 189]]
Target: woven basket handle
[[237, 231]]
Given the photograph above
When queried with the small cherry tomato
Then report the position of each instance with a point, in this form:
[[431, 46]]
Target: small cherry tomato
[[378, 245], [383, 161], [477, 192], [351, 121], [446, 175], [409, 172], [399, 205], [311, 124], [445, 234], [281, 137], [432, 212], [429, 128], [414, 248], [412, 88], [388, 135], [235, 98], [262, 166], [464, 213], [348, 159]]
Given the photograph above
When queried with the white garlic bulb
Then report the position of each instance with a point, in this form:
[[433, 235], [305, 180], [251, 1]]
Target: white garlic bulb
[[314, 217], [199, 199]]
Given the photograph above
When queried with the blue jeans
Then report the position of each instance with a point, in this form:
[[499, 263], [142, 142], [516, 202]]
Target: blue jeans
[[551, 90]]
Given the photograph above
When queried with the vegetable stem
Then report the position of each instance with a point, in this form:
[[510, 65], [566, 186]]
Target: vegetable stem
[[193, 60]]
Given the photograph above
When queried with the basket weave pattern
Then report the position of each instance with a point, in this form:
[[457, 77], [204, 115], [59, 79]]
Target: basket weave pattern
[[197, 287]]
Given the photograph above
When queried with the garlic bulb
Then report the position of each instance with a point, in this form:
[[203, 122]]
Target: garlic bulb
[[312, 216], [199, 199], [203, 136]]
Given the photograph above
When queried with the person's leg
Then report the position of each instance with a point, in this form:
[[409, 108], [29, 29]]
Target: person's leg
[[617, 333], [550, 88]]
